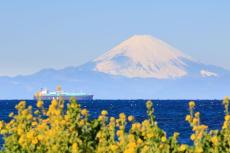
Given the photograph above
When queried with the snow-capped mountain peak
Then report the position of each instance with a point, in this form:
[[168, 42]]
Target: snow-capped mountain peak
[[143, 56]]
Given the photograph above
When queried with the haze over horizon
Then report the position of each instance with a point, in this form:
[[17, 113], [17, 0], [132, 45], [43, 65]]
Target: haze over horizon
[[55, 34], [142, 66]]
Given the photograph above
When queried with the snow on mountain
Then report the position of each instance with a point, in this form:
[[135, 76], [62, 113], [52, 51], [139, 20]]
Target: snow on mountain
[[143, 56], [205, 73]]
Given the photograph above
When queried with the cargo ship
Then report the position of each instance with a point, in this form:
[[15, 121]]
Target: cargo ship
[[45, 94]]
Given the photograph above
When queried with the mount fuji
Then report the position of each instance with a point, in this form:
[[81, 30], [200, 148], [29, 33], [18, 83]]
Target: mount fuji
[[141, 67]]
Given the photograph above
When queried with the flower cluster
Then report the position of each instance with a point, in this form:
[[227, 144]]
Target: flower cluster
[[69, 130]]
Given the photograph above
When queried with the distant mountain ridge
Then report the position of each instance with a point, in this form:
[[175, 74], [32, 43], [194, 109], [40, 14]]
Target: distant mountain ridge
[[141, 67]]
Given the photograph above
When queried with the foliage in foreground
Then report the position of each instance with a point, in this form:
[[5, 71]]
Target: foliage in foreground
[[59, 130]]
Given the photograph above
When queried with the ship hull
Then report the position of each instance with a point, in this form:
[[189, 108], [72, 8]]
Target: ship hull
[[83, 97]]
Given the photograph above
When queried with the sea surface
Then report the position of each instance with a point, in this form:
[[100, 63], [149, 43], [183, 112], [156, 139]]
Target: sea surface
[[170, 114]]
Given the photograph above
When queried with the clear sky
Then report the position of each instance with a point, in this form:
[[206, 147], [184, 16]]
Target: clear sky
[[56, 33]]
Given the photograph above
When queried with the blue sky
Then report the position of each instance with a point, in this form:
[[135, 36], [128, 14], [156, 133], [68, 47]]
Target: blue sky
[[55, 34]]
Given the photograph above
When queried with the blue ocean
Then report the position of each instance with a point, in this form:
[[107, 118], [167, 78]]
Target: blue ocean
[[170, 114]]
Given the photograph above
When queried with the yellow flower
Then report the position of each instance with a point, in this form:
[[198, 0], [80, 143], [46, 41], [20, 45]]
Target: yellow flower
[[11, 114], [122, 127], [139, 141], [40, 137], [36, 112], [198, 150], [101, 118], [21, 105], [104, 113], [188, 118], [145, 123], [45, 121], [129, 150], [34, 123], [29, 117], [150, 135], [225, 126], [84, 112], [214, 140], [75, 148], [22, 140], [3, 131], [200, 135], [30, 135], [193, 137], [192, 104], [99, 135], [25, 112], [226, 100], [82, 122], [39, 104], [20, 131], [227, 118], [130, 118], [149, 104], [34, 141], [54, 103], [119, 133], [145, 149], [114, 147], [161, 146], [132, 145], [122, 116], [163, 139], [182, 148], [131, 138], [175, 135], [197, 114], [112, 119], [195, 128], [136, 126], [1, 125], [195, 121], [203, 127]]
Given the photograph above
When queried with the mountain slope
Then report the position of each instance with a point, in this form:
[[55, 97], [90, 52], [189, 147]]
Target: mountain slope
[[142, 67], [147, 57], [144, 57]]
